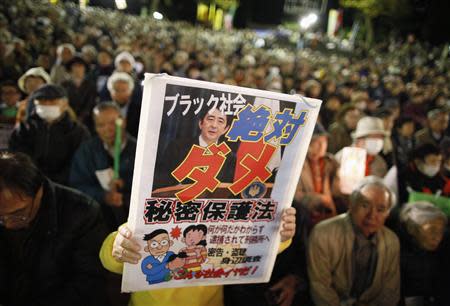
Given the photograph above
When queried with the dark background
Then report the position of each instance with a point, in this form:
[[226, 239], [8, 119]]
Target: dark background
[[430, 19]]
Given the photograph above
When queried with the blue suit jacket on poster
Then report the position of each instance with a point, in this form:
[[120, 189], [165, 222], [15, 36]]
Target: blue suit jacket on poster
[[158, 272]]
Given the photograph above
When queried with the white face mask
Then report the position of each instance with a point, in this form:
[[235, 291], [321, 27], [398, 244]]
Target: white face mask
[[373, 146], [48, 112], [428, 170]]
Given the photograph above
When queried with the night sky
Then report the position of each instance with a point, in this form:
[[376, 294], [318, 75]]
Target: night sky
[[430, 19]]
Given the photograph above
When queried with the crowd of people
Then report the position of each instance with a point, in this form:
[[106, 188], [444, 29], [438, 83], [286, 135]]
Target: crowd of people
[[67, 75]]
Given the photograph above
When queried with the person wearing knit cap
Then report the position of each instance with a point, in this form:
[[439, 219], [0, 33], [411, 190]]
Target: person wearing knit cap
[[49, 135]]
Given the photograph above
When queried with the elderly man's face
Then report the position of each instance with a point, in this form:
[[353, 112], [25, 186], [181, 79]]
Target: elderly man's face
[[370, 210], [429, 235], [105, 125], [121, 93], [213, 125]]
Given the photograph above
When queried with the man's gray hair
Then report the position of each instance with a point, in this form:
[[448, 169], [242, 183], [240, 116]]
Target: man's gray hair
[[122, 77], [372, 180], [421, 212], [105, 106], [432, 114]]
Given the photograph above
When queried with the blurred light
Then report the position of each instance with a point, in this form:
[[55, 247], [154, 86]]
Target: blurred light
[[158, 16], [313, 18], [308, 21], [218, 20], [83, 4], [121, 4], [202, 12], [331, 46], [304, 23], [352, 169], [260, 42]]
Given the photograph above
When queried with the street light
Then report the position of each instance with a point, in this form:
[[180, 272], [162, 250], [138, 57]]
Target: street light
[[260, 43], [308, 21], [121, 4], [158, 16]]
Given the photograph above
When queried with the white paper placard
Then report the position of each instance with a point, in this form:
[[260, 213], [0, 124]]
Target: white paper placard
[[210, 215]]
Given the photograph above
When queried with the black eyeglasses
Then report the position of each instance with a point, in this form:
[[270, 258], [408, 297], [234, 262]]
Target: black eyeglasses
[[20, 215]]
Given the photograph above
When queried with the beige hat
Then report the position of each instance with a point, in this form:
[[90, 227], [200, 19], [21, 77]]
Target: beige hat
[[368, 126], [36, 72]]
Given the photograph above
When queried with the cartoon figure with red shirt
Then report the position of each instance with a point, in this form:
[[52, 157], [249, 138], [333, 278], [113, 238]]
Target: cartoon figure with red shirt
[[194, 237]]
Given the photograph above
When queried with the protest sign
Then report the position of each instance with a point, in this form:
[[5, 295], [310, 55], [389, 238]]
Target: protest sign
[[352, 169], [215, 166]]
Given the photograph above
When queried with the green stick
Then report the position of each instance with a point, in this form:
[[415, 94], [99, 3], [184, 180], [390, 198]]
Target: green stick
[[117, 147]]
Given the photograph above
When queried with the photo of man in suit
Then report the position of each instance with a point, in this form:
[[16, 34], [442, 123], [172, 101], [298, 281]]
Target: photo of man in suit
[[212, 125]]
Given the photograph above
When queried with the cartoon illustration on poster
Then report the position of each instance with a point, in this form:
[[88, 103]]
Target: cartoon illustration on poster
[[215, 167]]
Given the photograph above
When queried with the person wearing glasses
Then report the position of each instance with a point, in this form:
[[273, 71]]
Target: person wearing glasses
[[50, 237], [353, 259]]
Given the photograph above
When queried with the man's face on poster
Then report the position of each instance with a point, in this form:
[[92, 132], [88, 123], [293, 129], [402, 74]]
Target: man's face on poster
[[213, 125], [159, 245]]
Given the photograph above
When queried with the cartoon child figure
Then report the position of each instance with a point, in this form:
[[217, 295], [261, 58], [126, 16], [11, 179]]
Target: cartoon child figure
[[194, 237], [158, 265]]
